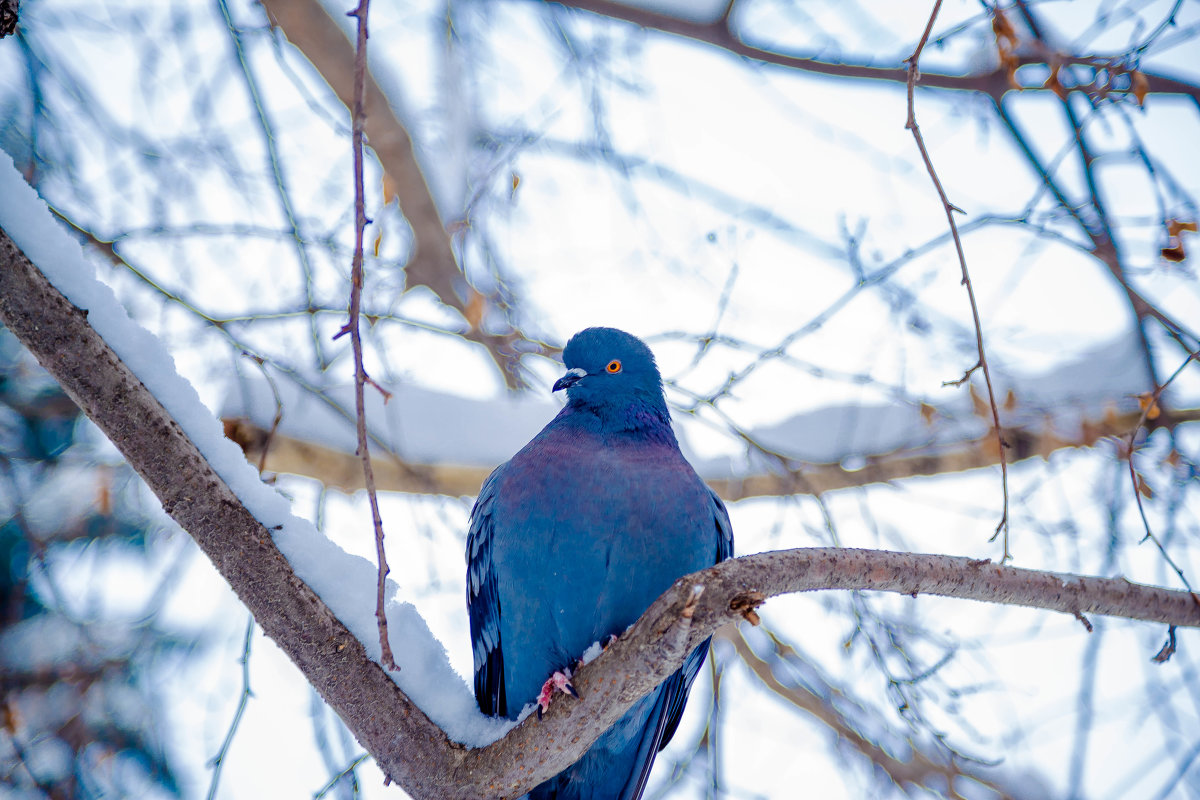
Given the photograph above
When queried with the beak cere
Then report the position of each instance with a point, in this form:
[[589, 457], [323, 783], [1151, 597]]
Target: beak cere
[[570, 379]]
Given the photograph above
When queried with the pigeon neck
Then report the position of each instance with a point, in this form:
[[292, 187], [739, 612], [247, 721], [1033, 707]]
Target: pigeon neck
[[640, 416]]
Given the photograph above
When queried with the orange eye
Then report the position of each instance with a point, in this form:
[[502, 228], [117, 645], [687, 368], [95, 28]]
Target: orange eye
[[613, 367]]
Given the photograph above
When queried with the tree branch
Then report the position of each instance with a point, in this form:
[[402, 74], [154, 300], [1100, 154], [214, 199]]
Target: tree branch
[[408, 747], [337, 469], [308, 26], [914, 75], [718, 33]]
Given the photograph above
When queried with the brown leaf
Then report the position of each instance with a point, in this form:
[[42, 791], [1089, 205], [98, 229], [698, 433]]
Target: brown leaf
[[1144, 488], [928, 413], [389, 190], [104, 496], [1006, 34], [378, 241], [476, 305], [1010, 400], [1055, 85], [1139, 86], [1176, 227], [1174, 254], [982, 407], [1147, 403], [1174, 251]]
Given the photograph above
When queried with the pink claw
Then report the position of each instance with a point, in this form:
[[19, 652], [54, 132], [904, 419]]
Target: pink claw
[[560, 681]]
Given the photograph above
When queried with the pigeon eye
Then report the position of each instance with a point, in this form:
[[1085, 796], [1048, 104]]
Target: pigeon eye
[[613, 367]]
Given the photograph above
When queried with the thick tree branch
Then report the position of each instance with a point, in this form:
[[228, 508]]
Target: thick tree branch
[[409, 748]]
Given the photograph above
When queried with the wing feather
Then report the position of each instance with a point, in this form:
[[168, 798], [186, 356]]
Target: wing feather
[[483, 604]]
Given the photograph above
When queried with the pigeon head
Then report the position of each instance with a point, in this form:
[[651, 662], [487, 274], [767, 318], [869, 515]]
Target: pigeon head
[[612, 373]]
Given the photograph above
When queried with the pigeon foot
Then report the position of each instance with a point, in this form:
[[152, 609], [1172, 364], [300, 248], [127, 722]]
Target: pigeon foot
[[560, 681]]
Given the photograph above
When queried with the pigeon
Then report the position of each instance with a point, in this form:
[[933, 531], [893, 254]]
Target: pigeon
[[570, 542]]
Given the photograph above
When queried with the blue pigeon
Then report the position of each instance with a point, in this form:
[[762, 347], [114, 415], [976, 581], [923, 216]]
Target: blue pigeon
[[574, 538]]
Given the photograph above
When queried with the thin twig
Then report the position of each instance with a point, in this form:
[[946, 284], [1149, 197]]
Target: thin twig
[[218, 761], [1151, 406], [356, 285], [353, 765], [270, 139], [914, 74]]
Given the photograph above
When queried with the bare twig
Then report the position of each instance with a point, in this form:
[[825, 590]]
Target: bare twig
[[353, 765], [1151, 410], [275, 164], [356, 286], [914, 75], [218, 761], [818, 697]]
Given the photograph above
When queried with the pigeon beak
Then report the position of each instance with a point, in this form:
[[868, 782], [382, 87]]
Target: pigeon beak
[[570, 379]]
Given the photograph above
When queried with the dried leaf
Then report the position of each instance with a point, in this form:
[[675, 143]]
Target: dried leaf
[[1174, 251], [516, 181], [1174, 254], [1139, 86], [1006, 45], [1147, 403], [389, 190], [1144, 488], [1176, 227], [378, 241], [982, 407], [104, 496], [1055, 85], [1006, 34], [1173, 458], [1010, 400], [476, 305], [928, 413]]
